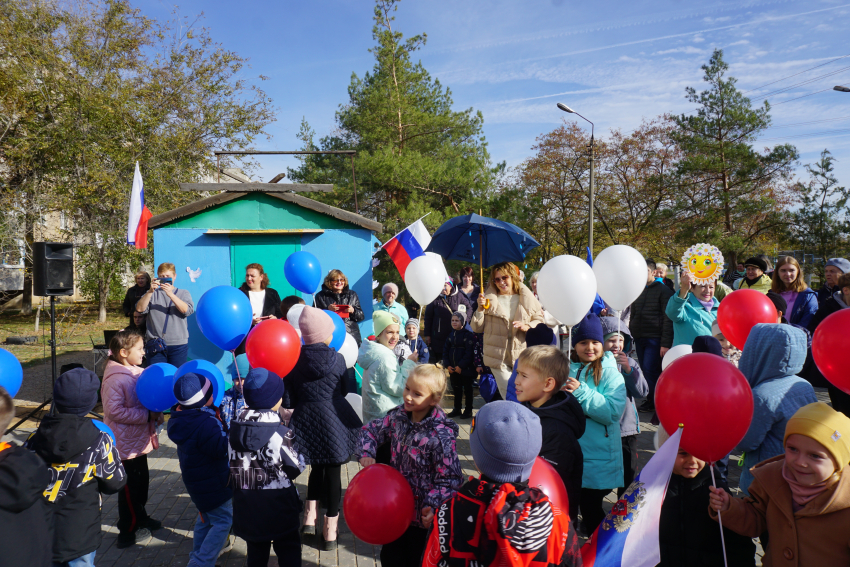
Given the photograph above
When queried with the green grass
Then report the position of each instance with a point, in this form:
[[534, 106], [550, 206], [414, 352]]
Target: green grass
[[76, 326]]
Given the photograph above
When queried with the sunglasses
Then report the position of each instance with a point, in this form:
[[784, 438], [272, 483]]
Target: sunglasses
[[502, 279], [338, 280]]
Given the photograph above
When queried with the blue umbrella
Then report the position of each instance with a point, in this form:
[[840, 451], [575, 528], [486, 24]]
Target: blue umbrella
[[487, 241]]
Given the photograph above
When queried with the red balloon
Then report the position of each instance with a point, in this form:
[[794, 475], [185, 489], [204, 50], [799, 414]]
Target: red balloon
[[546, 478], [742, 310], [274, 345], [378, 504], [829, 345], [710, 398]]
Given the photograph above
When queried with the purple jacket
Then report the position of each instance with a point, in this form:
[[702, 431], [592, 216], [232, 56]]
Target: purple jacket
[[424, 452]]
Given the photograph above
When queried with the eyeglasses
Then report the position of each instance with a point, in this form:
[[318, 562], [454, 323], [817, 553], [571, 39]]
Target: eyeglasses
[[502, 279], [339, 280]]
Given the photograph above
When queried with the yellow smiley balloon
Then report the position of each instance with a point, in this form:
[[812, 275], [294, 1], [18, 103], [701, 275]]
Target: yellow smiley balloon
[[704, 262]]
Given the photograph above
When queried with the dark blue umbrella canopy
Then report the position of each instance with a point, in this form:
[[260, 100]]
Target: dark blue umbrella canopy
[[481, 240]]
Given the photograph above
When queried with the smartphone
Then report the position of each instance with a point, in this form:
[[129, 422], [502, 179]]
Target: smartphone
[[165, 281]]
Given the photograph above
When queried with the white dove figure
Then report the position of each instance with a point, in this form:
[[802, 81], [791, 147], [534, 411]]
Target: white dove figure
[[193, 274], [375, 262], [375, 284]]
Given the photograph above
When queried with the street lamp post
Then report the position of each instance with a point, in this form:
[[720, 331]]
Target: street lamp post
[[569, 110], [841, 88]]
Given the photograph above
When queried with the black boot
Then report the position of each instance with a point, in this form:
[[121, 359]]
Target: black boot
[[455, 413]]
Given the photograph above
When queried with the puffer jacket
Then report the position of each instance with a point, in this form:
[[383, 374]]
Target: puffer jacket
[[603, 404], [383, 379], [687, 536], [24, 513], [648, 318], [396, 309], [762, 284], [459, 350], [202, 451], [425, 453], [263, 469], [773, 356], [690, 319], [135, 432], [563, 423], [327, 297], [808, 537], [83, 464], [636, 386], [804, 309], [326, 427], [507, 524], [438, 318], [502, 342]]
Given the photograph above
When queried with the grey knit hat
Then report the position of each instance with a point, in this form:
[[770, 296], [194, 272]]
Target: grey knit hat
[[412, 321], [461, 316], [505, 440]]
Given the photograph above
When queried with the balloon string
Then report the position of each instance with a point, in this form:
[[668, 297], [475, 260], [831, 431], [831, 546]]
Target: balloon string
[[233, 352], [570, 344], [719, 520]]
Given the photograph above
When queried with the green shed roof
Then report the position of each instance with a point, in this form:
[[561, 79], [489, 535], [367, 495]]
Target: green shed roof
[[260, 211]]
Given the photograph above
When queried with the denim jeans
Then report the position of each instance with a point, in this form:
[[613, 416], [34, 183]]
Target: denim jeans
[[174, 355], [211, 531], [84, 561], [649, 357]]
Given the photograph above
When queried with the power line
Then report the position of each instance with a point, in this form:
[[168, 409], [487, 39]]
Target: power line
[[800, 84], [838, 119], [804, 96], [795, 74], [841, 132]]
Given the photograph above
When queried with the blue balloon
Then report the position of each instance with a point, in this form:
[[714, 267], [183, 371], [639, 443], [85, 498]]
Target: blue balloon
[[210, 371], [224, 316], [11, 372], [303, 272], [103, 427], [155, 387], [339, 331]]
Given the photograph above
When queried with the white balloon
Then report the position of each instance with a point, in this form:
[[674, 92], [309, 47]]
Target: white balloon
[[424, 278], [567, 287], [676, 352], [440, 260], [620, 275], [356, 402], [293, 314], [348, 350]]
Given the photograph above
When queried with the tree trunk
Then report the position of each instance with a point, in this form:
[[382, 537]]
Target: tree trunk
[[29, 240], [102, 285]]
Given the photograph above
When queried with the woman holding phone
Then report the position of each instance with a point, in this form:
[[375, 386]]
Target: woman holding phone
[[265, 301], [336, 296]]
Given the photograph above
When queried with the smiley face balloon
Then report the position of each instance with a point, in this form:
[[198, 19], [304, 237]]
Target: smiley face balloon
[[704, 262]]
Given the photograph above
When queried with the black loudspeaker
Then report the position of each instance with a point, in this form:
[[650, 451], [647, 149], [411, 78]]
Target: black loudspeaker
[[53, 269]]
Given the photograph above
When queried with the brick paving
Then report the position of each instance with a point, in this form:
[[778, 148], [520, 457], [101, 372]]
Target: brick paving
[[169, 502]]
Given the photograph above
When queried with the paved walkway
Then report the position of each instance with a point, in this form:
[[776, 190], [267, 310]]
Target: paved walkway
[[169, 502]]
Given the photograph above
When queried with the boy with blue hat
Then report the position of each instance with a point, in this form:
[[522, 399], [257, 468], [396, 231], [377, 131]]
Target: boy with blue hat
[[498, 519], [202, 451], [263, 466]]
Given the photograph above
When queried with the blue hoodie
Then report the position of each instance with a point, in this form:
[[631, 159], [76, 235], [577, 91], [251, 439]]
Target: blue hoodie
[[772, 357]]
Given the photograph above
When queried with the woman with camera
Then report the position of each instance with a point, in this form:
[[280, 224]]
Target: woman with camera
[[167, 337]]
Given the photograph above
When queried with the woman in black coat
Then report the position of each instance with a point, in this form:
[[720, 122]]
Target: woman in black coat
[[338, 297], [265, 301], [135, 293], [326, 428]]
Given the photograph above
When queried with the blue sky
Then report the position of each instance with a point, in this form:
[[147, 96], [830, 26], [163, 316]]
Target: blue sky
[[614, 61]]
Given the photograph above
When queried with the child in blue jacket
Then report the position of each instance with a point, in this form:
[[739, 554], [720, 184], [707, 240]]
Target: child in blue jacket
[[202, 451]]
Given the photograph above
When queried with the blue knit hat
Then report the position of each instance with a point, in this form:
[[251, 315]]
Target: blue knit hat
[[540, 335], [262, 389], [589, 329], [505, 440], [707, 344], [75, 392], [192, 390]]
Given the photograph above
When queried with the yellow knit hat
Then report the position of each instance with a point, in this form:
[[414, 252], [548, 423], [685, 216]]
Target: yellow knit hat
[[828, 427]]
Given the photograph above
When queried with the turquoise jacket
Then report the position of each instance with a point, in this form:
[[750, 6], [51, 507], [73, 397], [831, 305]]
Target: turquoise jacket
[[383, 379], [396, 309], [603, 405], [690, 319]]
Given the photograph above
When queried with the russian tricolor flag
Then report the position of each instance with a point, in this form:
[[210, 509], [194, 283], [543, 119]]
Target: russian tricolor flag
[[408, 244], [137, 227], [628, 536]]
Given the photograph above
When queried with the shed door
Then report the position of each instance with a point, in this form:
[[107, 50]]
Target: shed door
[[270, 250]]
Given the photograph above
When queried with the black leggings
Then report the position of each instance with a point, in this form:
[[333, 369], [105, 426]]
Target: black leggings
[[462, 385], [592, 512], [287, 548], [325, 484], [133, 497]]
